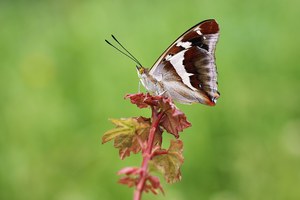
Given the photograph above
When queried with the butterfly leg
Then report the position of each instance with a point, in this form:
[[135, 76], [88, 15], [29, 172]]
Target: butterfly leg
[[139, 87]]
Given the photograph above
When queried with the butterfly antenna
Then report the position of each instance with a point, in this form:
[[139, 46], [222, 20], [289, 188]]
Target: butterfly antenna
[[136, 60], [122, 52]]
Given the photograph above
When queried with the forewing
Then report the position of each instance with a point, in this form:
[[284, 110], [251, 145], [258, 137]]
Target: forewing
[[204, 35]]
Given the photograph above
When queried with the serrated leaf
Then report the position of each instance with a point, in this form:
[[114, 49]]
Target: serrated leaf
[[170, 161], [154, 184], [129, 134], [109, 135], [124, 126], [131, 179], [129, 171], [173, 121], [143, 100]]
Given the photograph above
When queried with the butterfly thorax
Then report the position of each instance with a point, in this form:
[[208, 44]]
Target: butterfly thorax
[[151, 84]]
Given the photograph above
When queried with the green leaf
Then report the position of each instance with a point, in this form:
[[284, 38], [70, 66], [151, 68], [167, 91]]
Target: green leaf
[[168, 162], [124, 126], [129, 134]]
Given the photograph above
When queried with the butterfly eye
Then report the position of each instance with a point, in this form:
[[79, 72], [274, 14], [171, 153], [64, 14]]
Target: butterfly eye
[[141, 70]]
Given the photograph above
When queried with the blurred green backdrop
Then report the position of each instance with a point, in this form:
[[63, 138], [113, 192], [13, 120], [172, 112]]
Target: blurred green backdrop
[[60, 82]]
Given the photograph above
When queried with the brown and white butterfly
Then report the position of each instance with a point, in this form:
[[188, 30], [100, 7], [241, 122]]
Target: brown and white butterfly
[[186, 71]]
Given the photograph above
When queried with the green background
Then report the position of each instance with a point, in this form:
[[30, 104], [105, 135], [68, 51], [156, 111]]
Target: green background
[[60, 82]]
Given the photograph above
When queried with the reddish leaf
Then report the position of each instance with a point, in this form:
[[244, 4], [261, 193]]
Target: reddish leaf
[[129, 181], [151, 183], [173, 121], [131, 176], [129, 171], [155, 184], [169, 163], [143, 100]]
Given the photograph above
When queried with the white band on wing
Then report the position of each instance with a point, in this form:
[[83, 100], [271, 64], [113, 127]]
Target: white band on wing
[[177, 62]]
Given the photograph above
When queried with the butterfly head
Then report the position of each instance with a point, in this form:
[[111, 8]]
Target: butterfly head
[[142, 74], [148, 81], [140, 69]]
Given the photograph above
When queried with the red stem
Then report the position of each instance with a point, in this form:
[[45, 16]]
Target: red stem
[[156, 117]]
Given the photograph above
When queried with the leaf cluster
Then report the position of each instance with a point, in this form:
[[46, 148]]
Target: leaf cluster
[[140, 134]]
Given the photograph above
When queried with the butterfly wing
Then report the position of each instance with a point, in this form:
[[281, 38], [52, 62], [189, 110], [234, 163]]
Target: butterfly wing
[[187, 69]]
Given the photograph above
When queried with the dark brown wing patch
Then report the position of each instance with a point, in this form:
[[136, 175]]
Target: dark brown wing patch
[[209, 27], [175, 49], [197, 38], [201, 64]]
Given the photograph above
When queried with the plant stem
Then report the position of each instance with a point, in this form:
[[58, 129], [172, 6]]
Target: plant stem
[[156, 117]]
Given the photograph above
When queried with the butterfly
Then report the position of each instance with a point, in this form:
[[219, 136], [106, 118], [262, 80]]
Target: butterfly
[[186, 71]]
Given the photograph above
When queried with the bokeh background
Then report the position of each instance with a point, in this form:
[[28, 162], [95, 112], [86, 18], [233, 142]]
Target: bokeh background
[[60, 82]]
